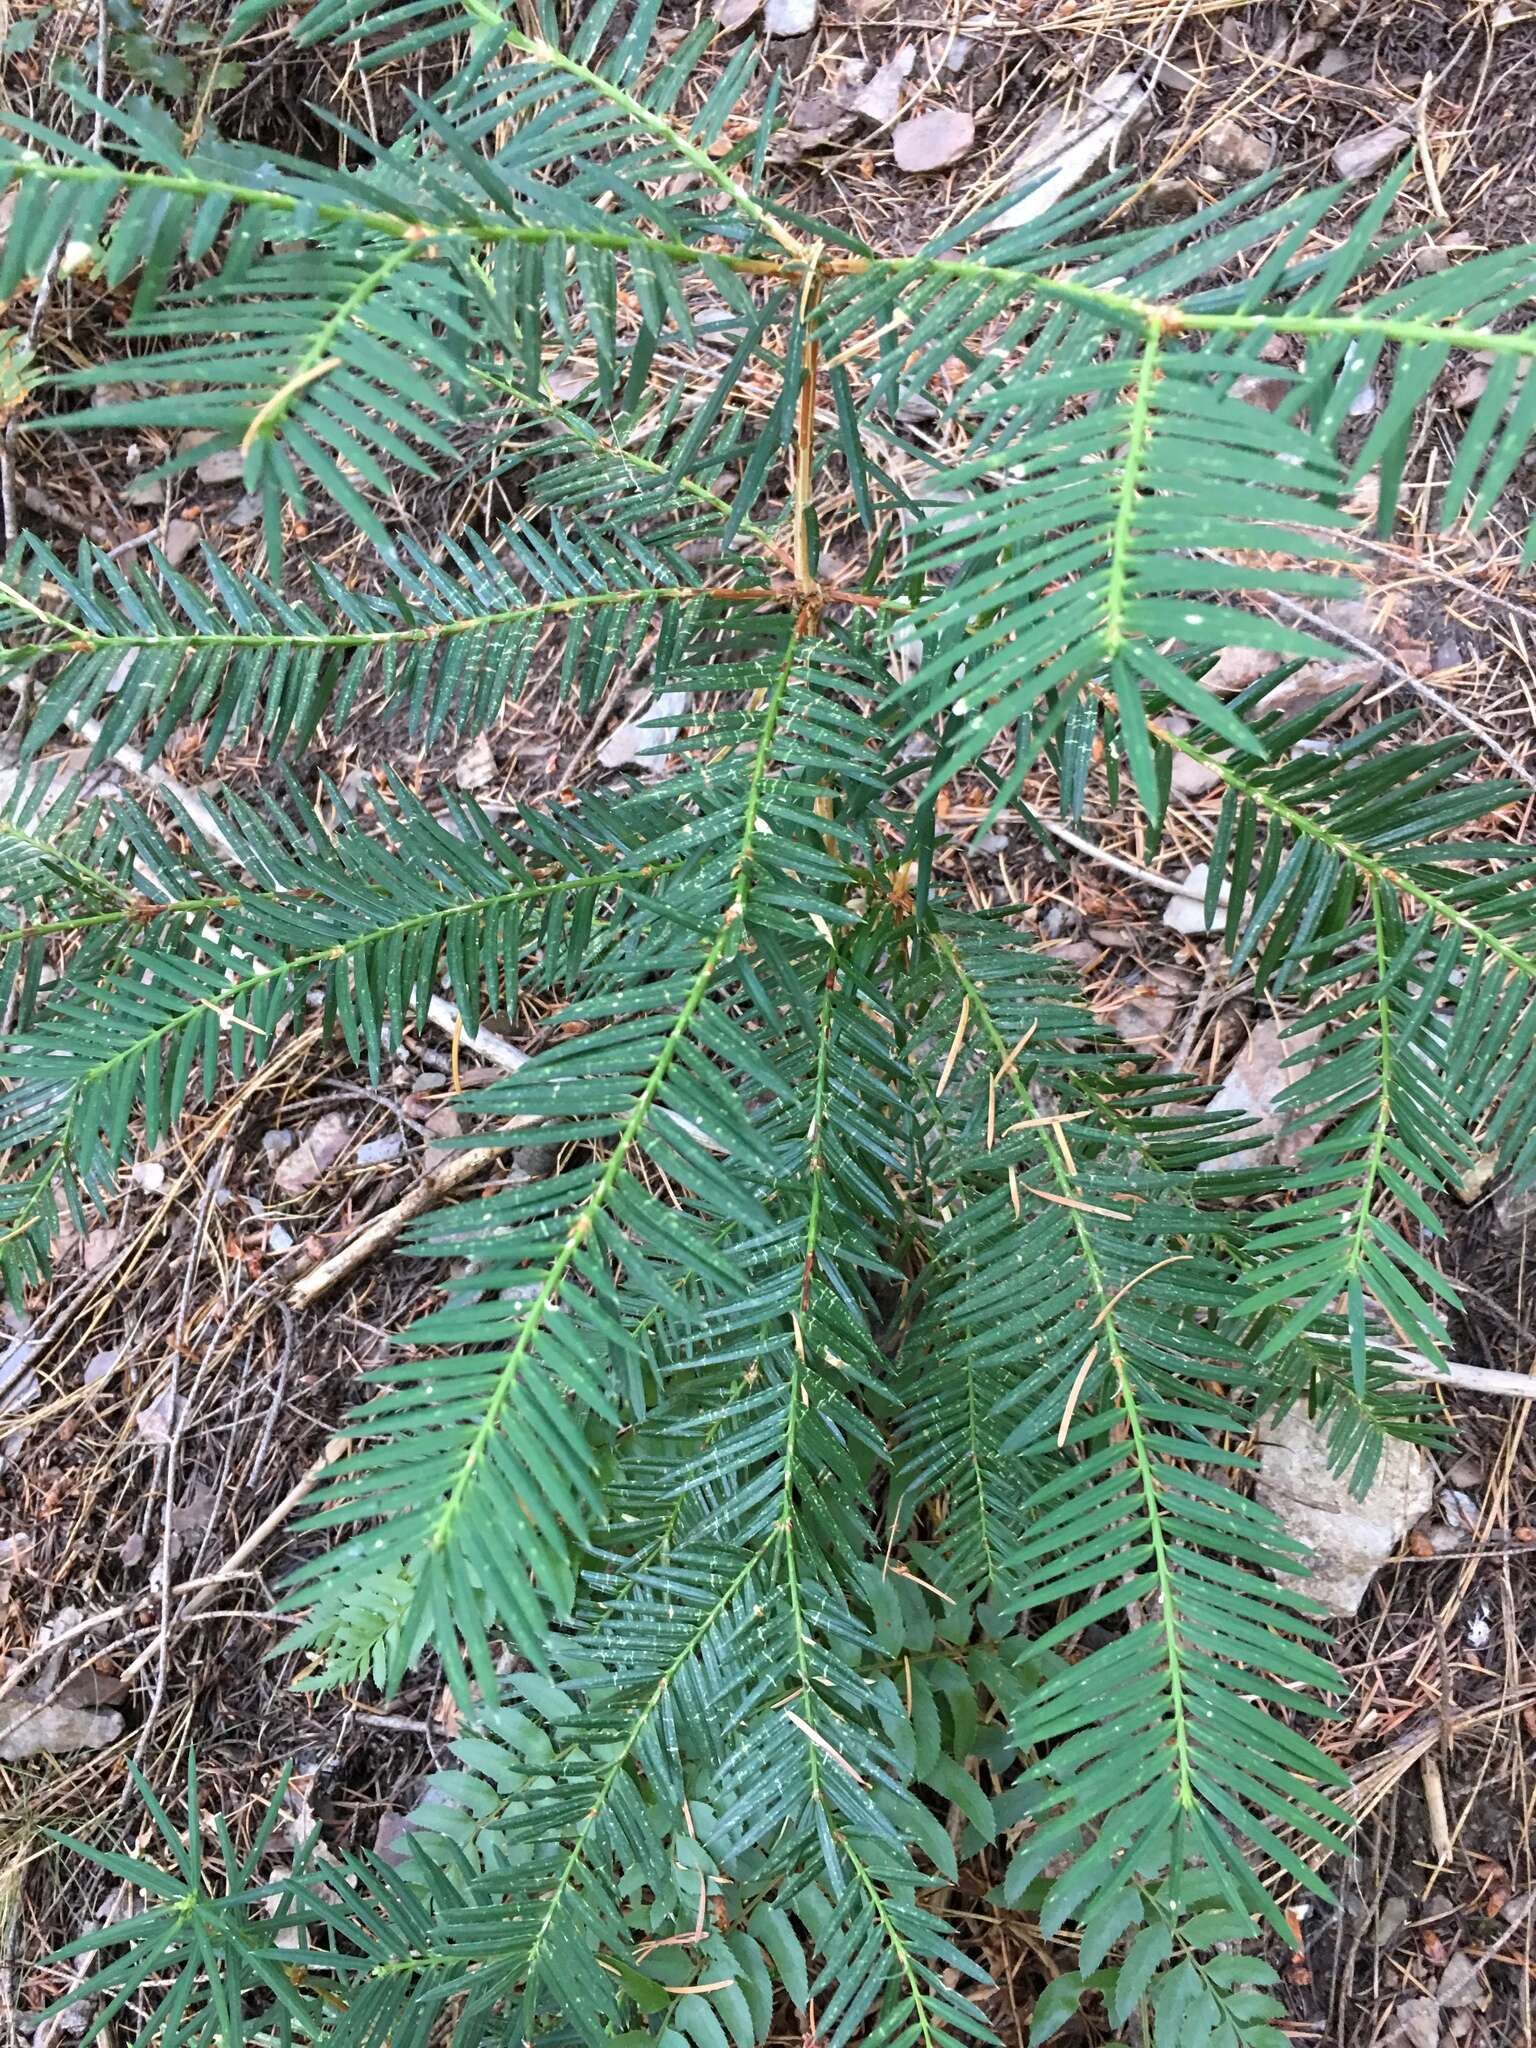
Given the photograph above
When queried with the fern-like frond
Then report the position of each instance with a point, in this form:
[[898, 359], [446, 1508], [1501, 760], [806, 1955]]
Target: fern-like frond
[[452, 643], [475, 1471], [1154, 1756], [203, 975], [829, 1469], [1412, 959]]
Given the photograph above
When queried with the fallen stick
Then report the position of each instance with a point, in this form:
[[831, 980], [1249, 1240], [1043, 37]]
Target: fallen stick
[[434, 1187], [1475, 1379]]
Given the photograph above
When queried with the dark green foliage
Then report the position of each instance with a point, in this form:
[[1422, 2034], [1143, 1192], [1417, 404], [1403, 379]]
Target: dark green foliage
[[834, 1470]]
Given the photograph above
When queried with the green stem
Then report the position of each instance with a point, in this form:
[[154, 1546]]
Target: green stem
[[130, 911], [616, 1763], [1138, 435], [1370, 1166], [912, 1977], [83, 640], [1152, 316]]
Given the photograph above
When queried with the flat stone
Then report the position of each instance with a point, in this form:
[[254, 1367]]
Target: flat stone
[[1358, 155]]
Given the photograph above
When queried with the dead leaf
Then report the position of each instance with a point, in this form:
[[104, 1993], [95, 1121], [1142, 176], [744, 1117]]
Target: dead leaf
[[926, 142], [159, 1420], [1315, 680], [1470, 386], [1076, 952], [15, 1557], [1514, 1210], [392, 1838], [1144, 1022], [1358, 155], [1461, 1510], [880, 99], [99, 1366], [97, 1247], [1475, 1182], [1432, 257], [816, 120], [313, 1156], [1364, 501], [476, 765], [1348, 1538], [148, 1176], [1065, 148], [735, 13], [28, 1728], [442, 1123], [1264, 392], [1236, 667]]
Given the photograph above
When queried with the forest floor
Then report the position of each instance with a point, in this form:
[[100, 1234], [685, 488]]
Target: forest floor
[[164, 1404]]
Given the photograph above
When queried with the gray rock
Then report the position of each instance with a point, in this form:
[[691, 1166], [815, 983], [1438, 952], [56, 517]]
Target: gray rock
[[1462, 1983], [1390, 1919], [29, 1728], [1186, 911], [1235, 151], [880, 99], [1349, 1539], [927, 142], [790, 17], [1416, 2024], [1358, 155], [223, 466], [181, 537]]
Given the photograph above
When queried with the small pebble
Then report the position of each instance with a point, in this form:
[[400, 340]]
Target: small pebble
[[1234, 150], [224, 466]]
